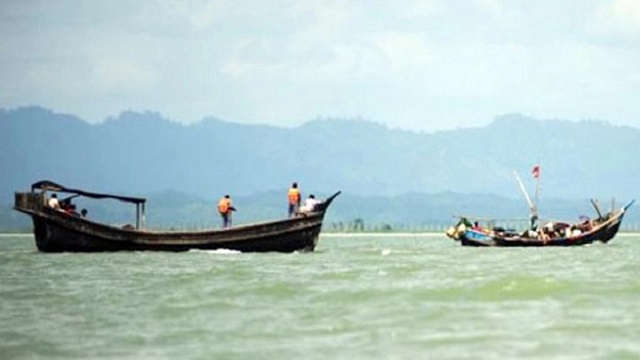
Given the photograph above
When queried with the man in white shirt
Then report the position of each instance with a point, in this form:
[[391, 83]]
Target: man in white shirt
[[53, 202], [309, 205]]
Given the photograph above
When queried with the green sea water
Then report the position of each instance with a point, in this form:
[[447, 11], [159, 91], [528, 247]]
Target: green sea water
[[357, 297]]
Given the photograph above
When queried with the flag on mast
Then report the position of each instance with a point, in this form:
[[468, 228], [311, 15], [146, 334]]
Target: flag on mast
[[536, 175], [536, 171]]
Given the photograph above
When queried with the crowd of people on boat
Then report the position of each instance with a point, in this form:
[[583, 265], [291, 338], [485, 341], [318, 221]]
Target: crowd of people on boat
[[66, 206], [555, 230], [295, 206], [549, 231]]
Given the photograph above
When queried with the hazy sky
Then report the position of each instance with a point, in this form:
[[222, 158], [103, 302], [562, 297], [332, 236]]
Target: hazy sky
[[412, 64]]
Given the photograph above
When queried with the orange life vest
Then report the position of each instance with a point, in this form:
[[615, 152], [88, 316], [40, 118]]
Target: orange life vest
[[294, 196], [224, 205]]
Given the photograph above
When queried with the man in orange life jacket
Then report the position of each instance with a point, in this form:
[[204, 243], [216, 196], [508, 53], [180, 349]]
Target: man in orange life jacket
[[294, 199], [225, 208]]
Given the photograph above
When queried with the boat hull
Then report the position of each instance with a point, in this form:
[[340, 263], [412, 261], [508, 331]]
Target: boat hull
[[55, 236]]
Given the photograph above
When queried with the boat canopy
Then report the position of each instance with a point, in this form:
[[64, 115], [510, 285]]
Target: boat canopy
[[46, 185]]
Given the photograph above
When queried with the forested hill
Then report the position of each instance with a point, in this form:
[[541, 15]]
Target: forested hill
[[140, 153]]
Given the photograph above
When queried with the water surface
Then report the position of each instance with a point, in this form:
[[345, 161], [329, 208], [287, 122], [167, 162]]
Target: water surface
[[357, 297]]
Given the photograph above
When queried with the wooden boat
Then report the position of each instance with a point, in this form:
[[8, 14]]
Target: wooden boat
[[58, 231], [602, 229]]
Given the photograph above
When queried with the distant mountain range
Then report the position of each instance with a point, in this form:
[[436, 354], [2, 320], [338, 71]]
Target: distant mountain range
[[143, 153]]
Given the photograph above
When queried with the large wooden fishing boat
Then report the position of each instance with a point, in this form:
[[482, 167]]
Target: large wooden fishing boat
[[58, 231], [586, 231]]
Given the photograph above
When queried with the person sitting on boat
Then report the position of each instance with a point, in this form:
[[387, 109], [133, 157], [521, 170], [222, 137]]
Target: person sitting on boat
[[575, 231], [545, 234], [560, 229], [586, 224], [65, 205], [53, 202], [294, 197], [72, 210], [477, 227], [309, 205], [83, 213], [225, 209], [549, 229]]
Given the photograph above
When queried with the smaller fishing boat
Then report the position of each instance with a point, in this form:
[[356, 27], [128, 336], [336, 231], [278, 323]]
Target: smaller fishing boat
[[553, 233], [60, 231]]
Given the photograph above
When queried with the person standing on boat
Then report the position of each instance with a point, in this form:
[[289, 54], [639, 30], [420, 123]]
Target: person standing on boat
[[225, 209], [294, 199]]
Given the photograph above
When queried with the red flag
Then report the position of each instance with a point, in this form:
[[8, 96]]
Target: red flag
[[536, 171]]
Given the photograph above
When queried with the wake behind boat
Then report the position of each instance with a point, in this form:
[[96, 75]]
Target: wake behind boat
[[58, 231]]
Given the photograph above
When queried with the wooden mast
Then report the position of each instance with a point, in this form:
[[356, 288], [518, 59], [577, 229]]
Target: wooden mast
[[532, 206]]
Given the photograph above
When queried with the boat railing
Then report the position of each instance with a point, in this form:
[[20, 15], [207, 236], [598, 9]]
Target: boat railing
[[29, 201]]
